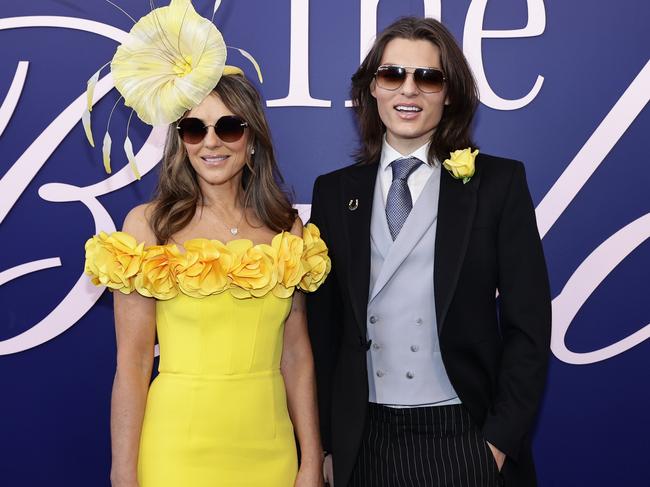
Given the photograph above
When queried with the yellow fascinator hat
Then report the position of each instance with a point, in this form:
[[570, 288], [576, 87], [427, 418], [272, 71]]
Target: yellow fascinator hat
[[172, 59]]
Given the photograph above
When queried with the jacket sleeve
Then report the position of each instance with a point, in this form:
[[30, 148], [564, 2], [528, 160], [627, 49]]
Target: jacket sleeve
[[323, 315], [524, 319]]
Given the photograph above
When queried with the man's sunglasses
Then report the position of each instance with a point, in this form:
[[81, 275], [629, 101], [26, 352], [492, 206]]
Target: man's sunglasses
[[428, 80], [228, 128]]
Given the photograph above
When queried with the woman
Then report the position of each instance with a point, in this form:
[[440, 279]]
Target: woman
[[210, 267], [217, 255]]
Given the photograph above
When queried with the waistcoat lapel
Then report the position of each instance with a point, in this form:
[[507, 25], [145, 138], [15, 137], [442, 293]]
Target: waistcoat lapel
[[379, 231], [422, 216]]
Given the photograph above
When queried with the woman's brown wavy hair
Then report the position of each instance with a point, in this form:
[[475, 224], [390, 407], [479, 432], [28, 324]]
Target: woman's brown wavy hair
[[454, 130], [178, 193]]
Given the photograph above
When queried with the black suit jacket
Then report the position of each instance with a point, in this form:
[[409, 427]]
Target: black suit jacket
[[495, 351]]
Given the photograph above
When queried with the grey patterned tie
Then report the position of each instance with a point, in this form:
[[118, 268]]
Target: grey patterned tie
[[398, 202]]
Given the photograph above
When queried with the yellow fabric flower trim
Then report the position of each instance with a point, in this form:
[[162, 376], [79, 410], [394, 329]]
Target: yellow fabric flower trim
[[315, 260], [157, 278], [209, 267], [114, 260], [461, 164], [288, 250], [204, 269]]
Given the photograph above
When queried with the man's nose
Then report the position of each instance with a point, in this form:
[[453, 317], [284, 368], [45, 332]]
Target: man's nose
[[410, 87]]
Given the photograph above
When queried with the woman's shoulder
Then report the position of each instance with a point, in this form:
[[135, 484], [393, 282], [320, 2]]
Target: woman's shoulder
[[138, 224], [297, 227]]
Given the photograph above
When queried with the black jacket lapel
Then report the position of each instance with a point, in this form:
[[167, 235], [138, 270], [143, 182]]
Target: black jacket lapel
[[358, 187], [456, 210]]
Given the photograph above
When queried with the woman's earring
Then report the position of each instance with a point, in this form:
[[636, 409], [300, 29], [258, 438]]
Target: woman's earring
[[249, 162]]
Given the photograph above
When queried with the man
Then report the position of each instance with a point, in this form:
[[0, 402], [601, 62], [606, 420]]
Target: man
[[425, 376]]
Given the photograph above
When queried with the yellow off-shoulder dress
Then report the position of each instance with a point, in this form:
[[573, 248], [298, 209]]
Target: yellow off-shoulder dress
[[216, 414]]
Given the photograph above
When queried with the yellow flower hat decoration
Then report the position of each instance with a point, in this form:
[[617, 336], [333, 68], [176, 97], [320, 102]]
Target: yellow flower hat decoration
[[171, 61]]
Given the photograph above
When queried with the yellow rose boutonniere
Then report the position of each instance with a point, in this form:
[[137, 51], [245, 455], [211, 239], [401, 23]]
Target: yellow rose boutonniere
[[461, 164]]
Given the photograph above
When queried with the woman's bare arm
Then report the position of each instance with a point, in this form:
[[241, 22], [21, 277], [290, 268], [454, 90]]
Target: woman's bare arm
[[297, 368], [135, 333]]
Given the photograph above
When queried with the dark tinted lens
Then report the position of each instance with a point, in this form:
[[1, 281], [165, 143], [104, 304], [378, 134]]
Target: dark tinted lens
[[230, 128], [390, 77], [429, 80], [191, 130]]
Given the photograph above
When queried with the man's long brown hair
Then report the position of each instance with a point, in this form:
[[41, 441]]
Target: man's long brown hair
[[454, 129], [178, 193]]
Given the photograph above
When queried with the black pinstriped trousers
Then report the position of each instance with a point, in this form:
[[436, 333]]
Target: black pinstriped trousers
[[425, 446]]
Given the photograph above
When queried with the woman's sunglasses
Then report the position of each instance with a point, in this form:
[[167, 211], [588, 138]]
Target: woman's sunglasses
[[228, 128], [428, 80]]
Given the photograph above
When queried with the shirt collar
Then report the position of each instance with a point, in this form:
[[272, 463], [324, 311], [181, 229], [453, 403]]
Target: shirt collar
[[389, 154]]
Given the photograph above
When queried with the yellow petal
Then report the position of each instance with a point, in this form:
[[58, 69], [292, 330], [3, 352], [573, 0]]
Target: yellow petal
[[85, 120], [106, 152], [248, 56], [90, 90], [228, 70], [128, 148]]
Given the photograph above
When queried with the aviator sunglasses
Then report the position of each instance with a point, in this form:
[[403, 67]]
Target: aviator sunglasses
[[228, 128], [428, 80]]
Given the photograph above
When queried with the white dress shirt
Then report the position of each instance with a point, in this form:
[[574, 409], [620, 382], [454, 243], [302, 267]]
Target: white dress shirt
[[416, 180]]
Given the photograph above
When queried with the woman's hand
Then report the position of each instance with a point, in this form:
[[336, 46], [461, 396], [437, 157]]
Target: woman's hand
[[309, 476]]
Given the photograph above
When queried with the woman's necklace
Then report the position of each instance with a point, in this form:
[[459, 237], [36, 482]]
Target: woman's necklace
[[234, 230]]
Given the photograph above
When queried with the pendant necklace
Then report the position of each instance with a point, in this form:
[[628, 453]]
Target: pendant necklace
[[234, 230]]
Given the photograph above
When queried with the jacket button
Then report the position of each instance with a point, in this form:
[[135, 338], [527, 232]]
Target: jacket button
[[419, 321], [373, 320], [410, 375], [380, 373], [414, 348]]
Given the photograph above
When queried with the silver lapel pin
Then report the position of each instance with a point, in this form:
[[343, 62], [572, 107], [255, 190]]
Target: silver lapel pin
[[353, 204]]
